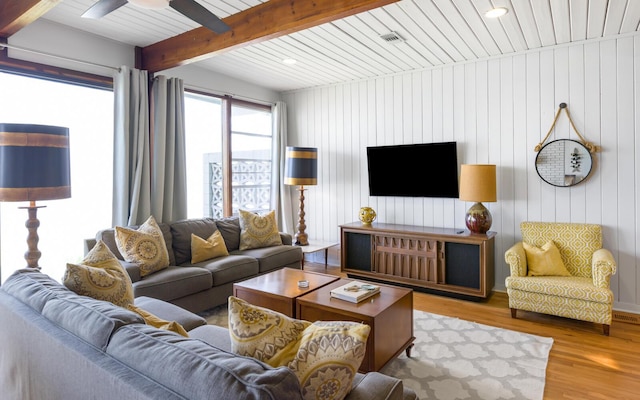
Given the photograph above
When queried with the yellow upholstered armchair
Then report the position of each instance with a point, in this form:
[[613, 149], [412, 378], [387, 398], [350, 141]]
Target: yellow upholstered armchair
[[579, 292]]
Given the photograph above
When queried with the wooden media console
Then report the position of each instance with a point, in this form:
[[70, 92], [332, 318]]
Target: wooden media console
[[448, 261]]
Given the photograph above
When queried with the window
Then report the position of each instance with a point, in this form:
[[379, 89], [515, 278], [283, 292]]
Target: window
[[203, 127], [251, 158], [249, 141], [65, 223]]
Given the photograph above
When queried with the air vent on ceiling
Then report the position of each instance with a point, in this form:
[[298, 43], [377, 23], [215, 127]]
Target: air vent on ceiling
[[392, 37]]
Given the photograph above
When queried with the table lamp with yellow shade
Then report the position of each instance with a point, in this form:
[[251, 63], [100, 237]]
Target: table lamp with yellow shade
[[478, 184]]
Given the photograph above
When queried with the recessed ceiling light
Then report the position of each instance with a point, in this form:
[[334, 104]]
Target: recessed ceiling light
[[496, 12], [289, 61]]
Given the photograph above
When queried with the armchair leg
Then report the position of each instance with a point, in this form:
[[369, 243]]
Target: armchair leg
[[514, 312], [605, 329]]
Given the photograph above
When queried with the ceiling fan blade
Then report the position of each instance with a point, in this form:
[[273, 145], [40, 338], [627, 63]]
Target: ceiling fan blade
[[196, 12], [102, 8]]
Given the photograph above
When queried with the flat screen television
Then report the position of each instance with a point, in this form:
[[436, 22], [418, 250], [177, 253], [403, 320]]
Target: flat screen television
[[414, 170]]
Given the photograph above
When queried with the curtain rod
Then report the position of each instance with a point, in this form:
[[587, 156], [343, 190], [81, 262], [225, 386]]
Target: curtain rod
[[10, 46], [214, 92]]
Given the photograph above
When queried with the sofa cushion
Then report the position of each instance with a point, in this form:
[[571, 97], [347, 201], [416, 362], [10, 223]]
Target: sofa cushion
[[328, 359], [100, 276], [157, 322], [145, 246], [232, 268], [197, 370], [258, 231], [34, 288], [181, 232], [207, 249], [214, 335], [230, 229], [173, 283], [92, 320], [271, 258], [108, 236], [266, 335], [170, 312]]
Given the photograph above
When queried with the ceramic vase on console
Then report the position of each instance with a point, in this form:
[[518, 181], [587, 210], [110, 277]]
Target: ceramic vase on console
[[367, 215]]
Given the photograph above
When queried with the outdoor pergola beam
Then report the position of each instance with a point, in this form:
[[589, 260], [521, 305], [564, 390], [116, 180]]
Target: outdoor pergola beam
[[16, 14], [265, 21]]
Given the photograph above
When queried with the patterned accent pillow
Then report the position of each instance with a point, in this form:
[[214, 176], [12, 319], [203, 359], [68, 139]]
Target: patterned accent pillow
[[545, 261], [145, 246], [266, 335], [329, 356], [213, 247], [158, 322], [258, 231], [100, 276]]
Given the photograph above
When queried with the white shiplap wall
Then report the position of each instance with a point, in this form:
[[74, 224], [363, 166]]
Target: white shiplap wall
[[497, 110]]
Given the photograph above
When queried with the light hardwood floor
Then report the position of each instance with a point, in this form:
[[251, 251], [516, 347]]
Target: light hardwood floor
[[583, 363]]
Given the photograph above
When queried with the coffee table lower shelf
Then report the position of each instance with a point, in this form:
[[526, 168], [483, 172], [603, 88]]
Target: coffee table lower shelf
[[389, 314]]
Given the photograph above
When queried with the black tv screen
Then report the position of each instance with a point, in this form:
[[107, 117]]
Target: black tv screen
[[414, 170]]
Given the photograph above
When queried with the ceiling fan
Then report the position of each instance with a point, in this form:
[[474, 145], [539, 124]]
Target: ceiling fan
[[189, 8]]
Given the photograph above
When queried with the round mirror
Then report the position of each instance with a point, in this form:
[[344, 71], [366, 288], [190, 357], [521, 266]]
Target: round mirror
[[563, 162]]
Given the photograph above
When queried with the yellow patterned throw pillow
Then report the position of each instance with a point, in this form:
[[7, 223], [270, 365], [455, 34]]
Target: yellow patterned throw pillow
[[213, 247], [545, 261], [329, 356], [258, 231], [158, 322], [266, 335], [144, 246], [100, 276]]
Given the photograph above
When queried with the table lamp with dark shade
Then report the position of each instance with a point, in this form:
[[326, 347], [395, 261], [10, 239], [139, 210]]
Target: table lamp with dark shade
[[478, 184], [34, 165], [301, 168]]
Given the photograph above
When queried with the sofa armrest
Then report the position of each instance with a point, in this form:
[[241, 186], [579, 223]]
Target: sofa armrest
[[286, 238], [376, 386], [517, 260], [603, 265], [88, 245]]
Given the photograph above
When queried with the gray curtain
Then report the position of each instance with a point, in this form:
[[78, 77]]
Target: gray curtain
[[282, 193], [168, 158], [131, 168]]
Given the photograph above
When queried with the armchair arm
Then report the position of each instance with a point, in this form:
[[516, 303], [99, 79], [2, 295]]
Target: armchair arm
[[517, 260], [603, 265]]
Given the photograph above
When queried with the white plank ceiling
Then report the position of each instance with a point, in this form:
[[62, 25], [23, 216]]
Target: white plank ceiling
[[436, 32]]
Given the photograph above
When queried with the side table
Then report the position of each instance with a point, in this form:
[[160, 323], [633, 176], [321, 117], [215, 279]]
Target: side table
[[313, 247]]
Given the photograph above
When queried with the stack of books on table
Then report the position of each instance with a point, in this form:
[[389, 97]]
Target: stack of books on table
[[355, 291]]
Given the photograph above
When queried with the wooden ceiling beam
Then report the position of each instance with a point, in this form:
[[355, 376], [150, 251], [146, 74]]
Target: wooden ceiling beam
[[16, 14], [265, 21]]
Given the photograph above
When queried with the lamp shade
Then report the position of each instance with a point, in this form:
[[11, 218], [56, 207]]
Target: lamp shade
[[34, 162], [478, 182], [301, 167]]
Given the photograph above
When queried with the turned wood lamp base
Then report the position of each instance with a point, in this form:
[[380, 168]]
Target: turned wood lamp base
[[33, 254], [302, 239]]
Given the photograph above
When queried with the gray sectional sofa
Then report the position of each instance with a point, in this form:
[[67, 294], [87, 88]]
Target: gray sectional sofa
[[201, 286], [59, 345]]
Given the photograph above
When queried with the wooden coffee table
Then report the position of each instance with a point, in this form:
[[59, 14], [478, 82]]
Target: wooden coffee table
[[278, 290], [389, 314]]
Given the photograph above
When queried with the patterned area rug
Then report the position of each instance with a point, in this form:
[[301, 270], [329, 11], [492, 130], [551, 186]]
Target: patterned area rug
[[456, 359]]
